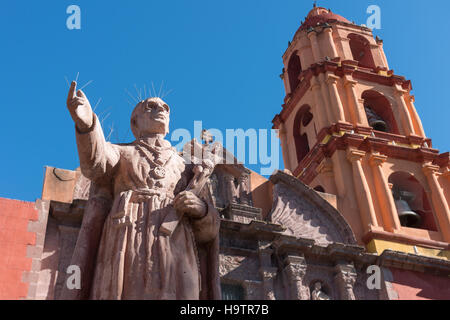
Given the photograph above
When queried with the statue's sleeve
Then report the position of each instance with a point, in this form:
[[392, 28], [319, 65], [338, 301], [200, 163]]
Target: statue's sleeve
[[207, 228], [97, 157]]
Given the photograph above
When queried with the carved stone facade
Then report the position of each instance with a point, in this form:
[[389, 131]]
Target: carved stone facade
[[303, 241]]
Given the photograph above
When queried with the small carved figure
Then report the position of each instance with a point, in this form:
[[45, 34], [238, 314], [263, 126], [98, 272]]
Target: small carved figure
[[318, 294]]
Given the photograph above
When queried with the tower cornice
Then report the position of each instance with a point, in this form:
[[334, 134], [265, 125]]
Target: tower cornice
[[339, 69]]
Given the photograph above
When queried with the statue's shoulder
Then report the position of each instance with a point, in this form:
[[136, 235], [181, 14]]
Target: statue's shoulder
[[124, 147]]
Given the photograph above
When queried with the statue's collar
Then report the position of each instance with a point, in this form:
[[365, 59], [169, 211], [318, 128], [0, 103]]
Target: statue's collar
[[156, 155], [155, 144]]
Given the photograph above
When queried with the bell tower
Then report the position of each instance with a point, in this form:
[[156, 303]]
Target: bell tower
[[349, 127]]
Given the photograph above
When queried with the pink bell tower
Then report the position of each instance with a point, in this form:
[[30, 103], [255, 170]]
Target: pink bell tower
[[349, 128]]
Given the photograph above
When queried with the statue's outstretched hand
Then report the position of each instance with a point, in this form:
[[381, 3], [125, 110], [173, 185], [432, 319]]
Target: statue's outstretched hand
[[79, 108], [190, 204]]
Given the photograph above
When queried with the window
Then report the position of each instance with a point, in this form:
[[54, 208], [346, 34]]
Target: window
[[232, 292], [294, 70]]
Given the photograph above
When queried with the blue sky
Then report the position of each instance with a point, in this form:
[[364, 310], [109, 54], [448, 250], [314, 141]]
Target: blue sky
[[222, 59]]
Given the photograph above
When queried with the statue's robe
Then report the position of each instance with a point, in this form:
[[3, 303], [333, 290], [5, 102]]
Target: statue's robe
[[119, 250]]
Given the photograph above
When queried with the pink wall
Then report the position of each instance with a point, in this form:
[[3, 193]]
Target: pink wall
[[14, 241], [411, 285]]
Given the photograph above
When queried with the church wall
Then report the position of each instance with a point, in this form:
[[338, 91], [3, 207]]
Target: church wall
[[49, 263], [411, 285], [22, 228], [261, 190]]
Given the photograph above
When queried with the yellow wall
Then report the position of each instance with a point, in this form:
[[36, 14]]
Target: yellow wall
[[378, 246]]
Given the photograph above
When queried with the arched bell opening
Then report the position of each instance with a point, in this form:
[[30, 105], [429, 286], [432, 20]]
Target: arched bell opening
[[302, 127], [411, 201], [379, 112], [294, 70], [361, 51]]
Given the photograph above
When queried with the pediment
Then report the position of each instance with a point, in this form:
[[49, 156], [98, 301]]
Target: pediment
[[305, 214]]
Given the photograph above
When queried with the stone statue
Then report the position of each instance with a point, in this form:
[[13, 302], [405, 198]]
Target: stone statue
[[318, 294], [120, 250]]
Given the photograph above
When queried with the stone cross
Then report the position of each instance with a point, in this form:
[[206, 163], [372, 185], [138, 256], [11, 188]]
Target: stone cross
[[207, 137]]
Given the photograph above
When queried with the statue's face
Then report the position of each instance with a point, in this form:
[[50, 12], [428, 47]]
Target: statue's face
[[149, 117], [318, 286]]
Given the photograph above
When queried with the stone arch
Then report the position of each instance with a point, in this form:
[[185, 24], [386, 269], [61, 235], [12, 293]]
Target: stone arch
[[380, 105], [302, 120], [294, 70], [361, 51]]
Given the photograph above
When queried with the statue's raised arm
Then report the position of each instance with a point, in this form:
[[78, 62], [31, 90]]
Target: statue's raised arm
[[79, 108], [97, 157]]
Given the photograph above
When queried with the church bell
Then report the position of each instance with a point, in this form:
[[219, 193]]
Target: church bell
[[375, 121], [408, 218]]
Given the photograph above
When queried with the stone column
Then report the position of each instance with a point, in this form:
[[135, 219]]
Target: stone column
[[284, 145], [362, 190], [416, 117], [266, 270], [329, 35], [267, 274], [386, 200], [314, 46], [336, 102], [358, 114], [383, 55], [296, 270], [323, 118], [328, 105], [408, 126], [345, 279], [438, 198]]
